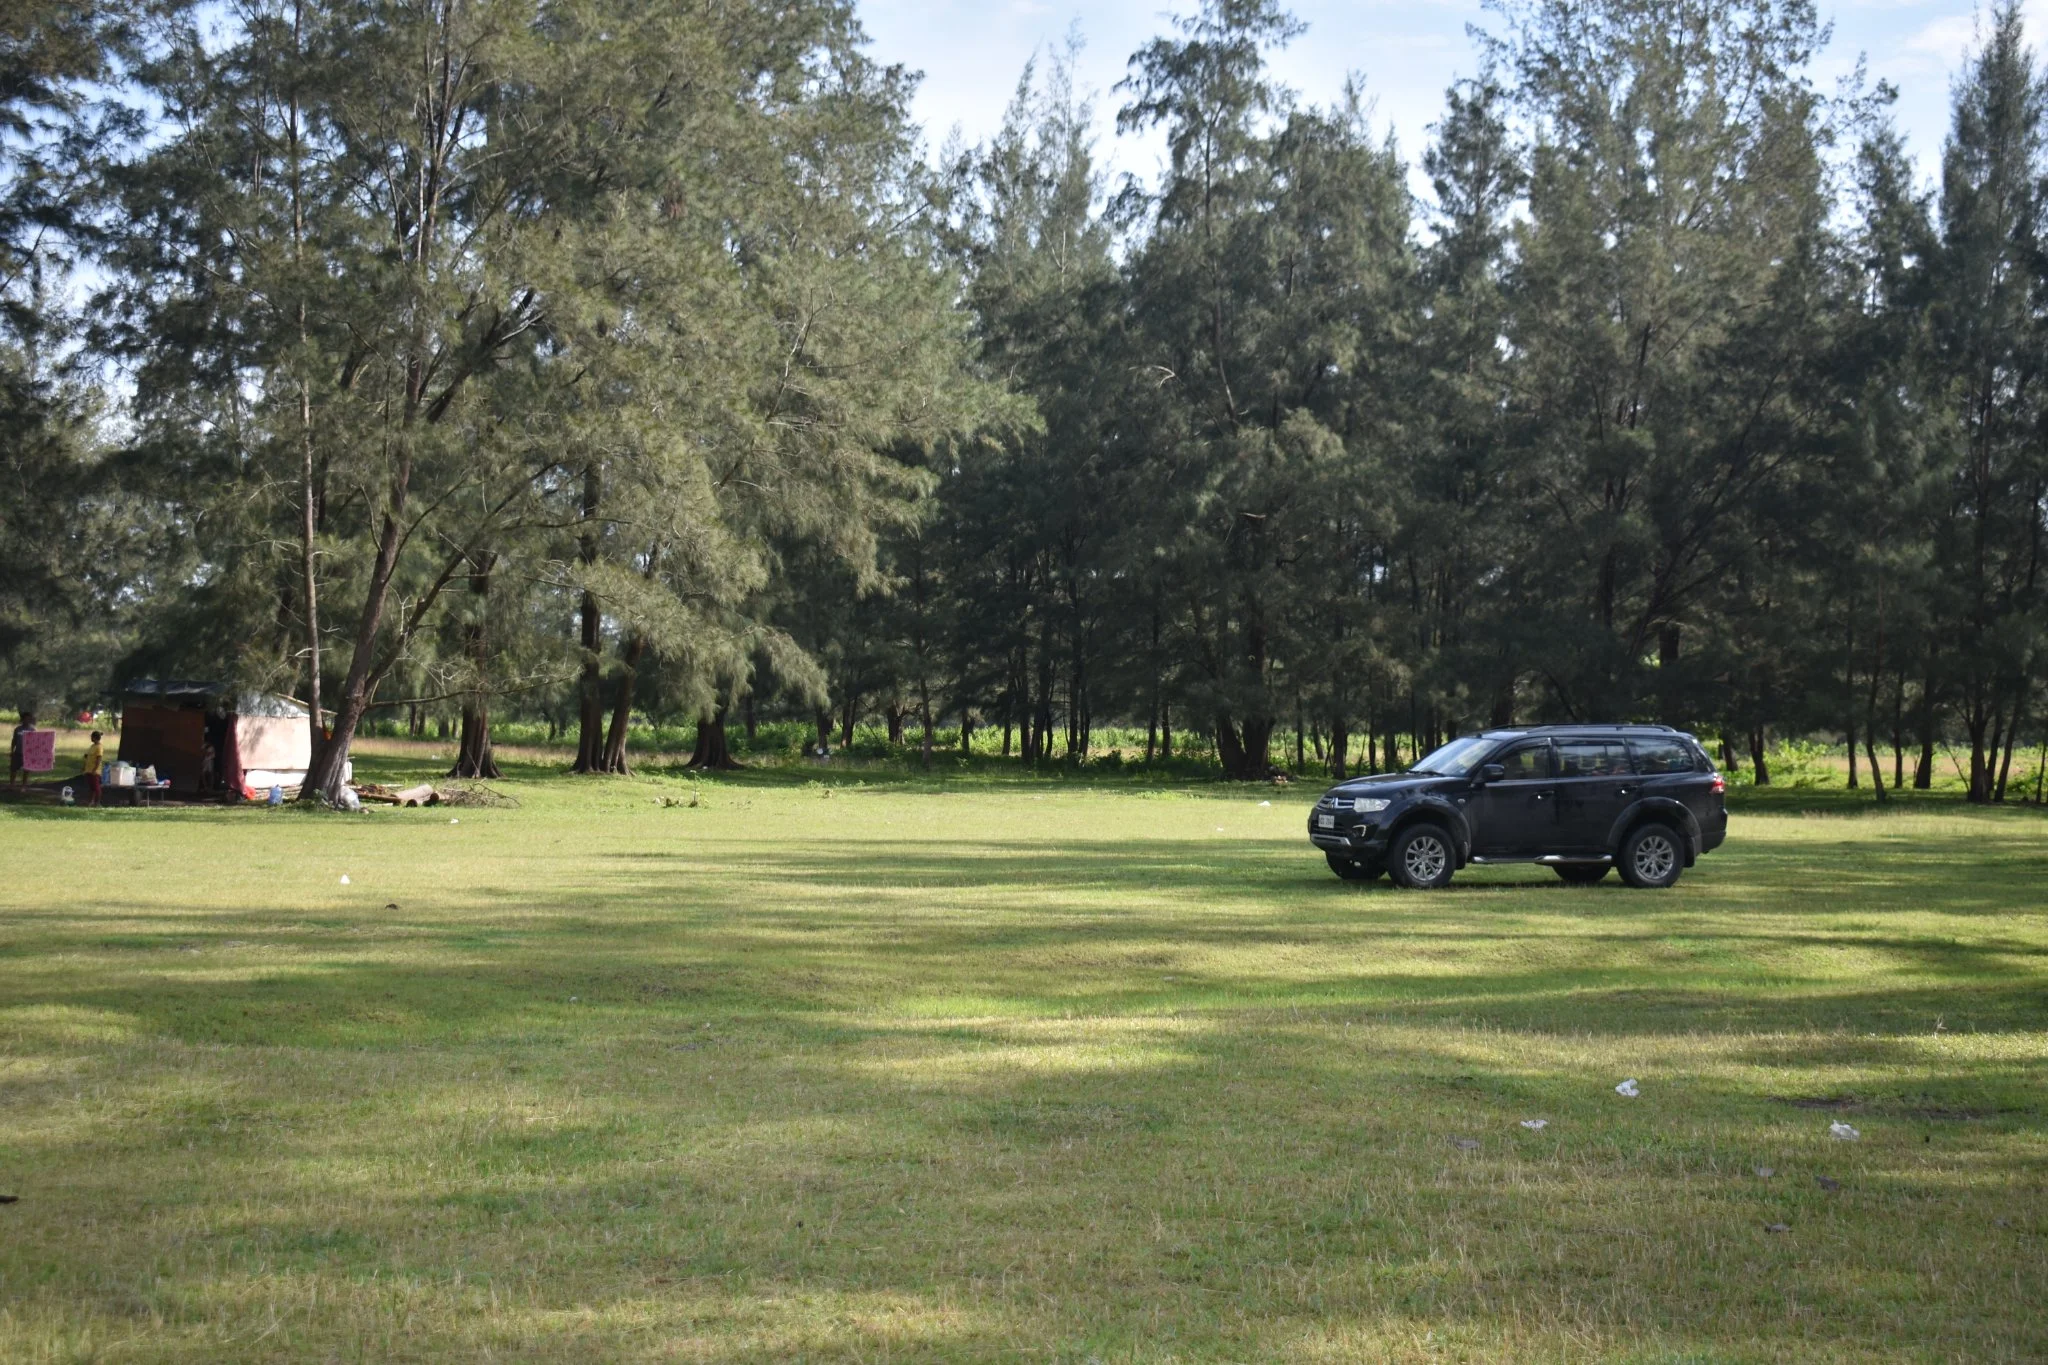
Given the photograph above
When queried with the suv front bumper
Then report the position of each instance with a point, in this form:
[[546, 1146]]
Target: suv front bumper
[[1366, 842]]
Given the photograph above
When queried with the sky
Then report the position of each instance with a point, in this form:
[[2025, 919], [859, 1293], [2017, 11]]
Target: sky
[[1407, 52]]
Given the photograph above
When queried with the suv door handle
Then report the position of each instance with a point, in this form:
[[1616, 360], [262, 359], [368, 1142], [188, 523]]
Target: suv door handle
[[1624, 791]]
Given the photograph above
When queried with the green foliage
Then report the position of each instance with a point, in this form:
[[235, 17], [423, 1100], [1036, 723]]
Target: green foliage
[[631, 360]]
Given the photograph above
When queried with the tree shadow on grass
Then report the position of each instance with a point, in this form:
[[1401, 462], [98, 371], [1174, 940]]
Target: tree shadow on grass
[[671, 946]]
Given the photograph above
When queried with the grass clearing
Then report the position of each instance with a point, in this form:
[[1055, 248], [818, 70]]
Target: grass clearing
[[1008, 1070]]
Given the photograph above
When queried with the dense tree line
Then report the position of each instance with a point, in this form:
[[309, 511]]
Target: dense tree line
[[594, 358]]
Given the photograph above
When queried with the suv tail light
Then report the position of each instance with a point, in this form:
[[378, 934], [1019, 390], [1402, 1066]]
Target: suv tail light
[[1720, 784]]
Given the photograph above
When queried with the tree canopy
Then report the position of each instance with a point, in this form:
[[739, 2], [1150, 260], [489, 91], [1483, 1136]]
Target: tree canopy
[[598, 359]]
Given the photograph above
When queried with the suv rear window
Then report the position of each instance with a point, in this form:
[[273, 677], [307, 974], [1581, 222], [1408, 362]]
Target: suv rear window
[[1591, 757], [1662, 756]]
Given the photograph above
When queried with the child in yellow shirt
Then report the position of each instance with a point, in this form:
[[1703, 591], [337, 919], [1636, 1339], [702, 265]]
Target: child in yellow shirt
[[95, 758]]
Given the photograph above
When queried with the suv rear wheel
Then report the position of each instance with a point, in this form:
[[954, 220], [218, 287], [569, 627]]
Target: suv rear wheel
[[1421, 857], [1582, 874], [1352, 870], [1651, 857]]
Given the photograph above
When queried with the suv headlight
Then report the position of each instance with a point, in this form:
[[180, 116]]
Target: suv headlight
[[1367, 805]]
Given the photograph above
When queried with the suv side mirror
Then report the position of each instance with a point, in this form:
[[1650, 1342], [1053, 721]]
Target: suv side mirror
[[1492, 772]]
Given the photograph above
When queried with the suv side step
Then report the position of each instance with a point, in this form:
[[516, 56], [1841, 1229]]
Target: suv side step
[[1552, 859]]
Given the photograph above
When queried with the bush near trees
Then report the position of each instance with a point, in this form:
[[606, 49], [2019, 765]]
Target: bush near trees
[[576, 360]]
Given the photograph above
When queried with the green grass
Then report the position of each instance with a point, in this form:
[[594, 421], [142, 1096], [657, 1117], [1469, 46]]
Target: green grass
[[1012, 1070]]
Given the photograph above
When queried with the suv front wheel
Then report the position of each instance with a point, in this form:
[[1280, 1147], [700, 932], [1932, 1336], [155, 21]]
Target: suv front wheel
[[1651, 857], [1421, 858]]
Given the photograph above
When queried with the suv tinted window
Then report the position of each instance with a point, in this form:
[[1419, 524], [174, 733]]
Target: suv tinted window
[[1662, 756], [1591, 757], [1526, 761]]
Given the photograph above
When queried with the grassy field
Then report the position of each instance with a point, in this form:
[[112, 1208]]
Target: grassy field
[[1016, 1070]]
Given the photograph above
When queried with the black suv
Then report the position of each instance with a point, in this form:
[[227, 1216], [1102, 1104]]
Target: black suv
[[1579, 798]]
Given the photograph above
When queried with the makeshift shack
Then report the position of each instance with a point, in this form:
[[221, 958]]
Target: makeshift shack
[[258, 740]]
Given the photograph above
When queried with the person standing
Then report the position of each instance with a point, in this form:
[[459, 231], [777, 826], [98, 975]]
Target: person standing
[[95, 758], [17, 773]]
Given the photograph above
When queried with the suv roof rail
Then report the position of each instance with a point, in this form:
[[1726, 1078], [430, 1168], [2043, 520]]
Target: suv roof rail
[[1591, 725]]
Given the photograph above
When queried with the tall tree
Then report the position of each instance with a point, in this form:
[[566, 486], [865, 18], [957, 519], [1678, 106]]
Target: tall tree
[[1269, 281], [1663, 300], [1989, 289]]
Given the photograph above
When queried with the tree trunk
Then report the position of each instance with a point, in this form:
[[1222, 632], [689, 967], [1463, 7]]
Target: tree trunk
[[1258, 744], [1244, 750], [590, 694], [473, 757], [1899, 732], [1228, 750], [2012, 734], [1042, 724], [824, 728], [1923, 773], [1165, 729], [309, 567], [323, 780], [1760, 766], [892, 716], [614, 757], [1340, 746], [312, 490], [590, 699], [712, 752], [1027, 739], [1977, 722], [1853, 783], [849, 714], [753, 725], [924, 712]]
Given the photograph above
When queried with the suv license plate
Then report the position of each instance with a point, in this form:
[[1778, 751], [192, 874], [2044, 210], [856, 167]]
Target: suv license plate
[[1326, 822]]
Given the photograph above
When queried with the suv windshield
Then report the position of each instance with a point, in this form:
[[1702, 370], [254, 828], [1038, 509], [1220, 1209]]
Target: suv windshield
[[1456, 759]]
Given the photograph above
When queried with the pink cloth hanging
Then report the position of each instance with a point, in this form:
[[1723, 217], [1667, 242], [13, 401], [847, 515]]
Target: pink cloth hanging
[[39, 751]]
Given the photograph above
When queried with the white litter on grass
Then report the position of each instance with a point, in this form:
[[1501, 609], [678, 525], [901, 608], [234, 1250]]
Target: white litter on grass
[[1628, 1088], [1265, 803], [453, 821], [1842, 1132], [344, 879], [1535, 1125]]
